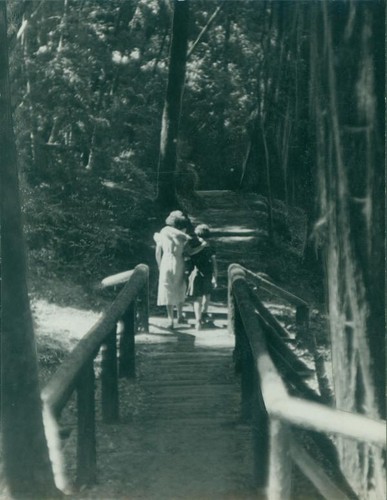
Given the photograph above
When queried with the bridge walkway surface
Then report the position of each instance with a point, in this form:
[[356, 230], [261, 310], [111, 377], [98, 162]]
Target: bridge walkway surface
[[180, 433]]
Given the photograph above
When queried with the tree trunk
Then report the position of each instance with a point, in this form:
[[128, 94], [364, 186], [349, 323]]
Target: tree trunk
[[26, 460], [38, 162], [225, 99], [166, 195], [63, 25], [350, 189], [268, 186]]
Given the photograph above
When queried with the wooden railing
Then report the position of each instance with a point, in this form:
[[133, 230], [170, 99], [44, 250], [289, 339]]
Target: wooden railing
[[77, 371], [302, 307], [277, 418]]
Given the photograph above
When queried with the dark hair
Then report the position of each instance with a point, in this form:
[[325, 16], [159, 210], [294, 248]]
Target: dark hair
[[177, 219], [203, 231]]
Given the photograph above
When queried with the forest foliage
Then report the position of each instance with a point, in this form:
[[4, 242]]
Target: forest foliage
[[89, 80], [88, 86], [285, 99]]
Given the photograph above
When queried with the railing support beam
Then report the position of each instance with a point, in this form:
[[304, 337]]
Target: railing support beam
[[127, 367], [247, 384], [86, 444], [245, 364], [109, 379], [144, 297], [280, 471], [235, 271], [260, 432]]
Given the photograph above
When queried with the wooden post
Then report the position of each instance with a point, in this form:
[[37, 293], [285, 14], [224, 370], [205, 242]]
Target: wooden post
[[247, 371], [144, 296], [243, 358], [234, 272], [109, 379], [231, 310], [127, 367], [280, 471], [260, 433], [86, 445], [232, 327]]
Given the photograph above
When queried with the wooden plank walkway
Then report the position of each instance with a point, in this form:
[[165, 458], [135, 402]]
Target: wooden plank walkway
[[181, 436], [193, 399]]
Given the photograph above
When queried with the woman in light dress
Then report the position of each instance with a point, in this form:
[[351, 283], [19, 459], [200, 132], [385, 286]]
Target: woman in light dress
[[170, 244], [171, 249]]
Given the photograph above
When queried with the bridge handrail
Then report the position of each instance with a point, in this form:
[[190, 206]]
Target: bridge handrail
[[116, 279], [281, 408], [262, 282], [77, 372], [295, 410], [302, 307]]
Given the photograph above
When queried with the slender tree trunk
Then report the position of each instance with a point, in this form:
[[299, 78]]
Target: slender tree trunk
[[204, 31], [26, 460], [160, 52], [33, 126], [91, 160], [225, 98], [287, 128], [268, 186], [172, 107], [124, 16], [63, 25]]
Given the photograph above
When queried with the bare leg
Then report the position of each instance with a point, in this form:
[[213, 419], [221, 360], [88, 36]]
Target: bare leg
[[198, 311], [206, 302], [179, 308], [170, 315]]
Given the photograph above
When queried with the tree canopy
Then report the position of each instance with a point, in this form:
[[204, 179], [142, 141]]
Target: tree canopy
[[285, 99], [89, 85]]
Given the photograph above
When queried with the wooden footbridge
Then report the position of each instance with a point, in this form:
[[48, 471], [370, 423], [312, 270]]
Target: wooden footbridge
[[227, 412]]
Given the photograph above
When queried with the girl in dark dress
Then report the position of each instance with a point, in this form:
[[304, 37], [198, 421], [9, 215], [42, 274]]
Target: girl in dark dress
[[204, 274]]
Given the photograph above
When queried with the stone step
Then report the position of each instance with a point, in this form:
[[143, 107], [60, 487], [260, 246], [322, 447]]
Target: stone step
[[189, 364], [170, 355], [204, 407], [172, 412], [188, 391]]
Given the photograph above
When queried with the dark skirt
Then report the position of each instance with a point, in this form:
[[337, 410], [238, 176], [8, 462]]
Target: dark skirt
[[199, 284]]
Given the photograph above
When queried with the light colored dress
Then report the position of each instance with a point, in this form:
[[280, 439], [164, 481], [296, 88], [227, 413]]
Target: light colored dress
[[172, 287]]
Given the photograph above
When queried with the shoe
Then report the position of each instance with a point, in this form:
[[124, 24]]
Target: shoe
[[170, 326], [198, 326], [182, 320]]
